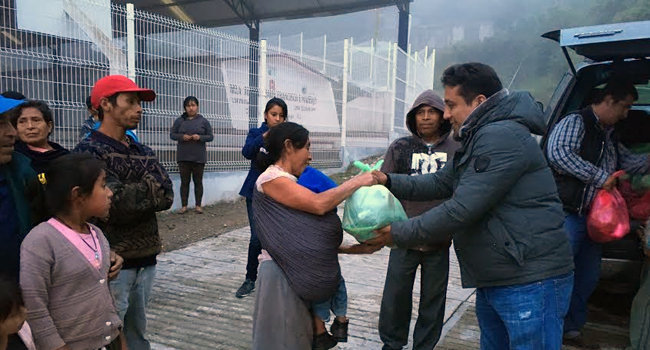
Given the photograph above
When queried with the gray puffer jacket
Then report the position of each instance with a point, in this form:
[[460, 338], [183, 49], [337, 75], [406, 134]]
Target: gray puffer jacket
[[504, 214]]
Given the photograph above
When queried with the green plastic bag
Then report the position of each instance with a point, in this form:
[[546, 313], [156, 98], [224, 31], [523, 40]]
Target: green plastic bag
[[370, 208]]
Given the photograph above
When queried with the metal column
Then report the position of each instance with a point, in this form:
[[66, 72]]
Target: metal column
[[253, 71], [400, 65]]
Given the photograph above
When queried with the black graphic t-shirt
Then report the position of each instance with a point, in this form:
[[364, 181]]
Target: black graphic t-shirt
[[410, 155], [427, 163]]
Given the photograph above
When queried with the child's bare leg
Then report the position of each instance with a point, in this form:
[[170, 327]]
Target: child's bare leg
[[322, 339], [319, 325]]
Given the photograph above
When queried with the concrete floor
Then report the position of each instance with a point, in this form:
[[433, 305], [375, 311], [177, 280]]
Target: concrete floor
[[193, 304]]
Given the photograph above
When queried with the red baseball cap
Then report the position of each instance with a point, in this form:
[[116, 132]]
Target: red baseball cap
[[112, 84]]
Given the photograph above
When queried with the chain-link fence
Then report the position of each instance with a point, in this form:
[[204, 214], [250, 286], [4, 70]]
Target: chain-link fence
[[346, 94]]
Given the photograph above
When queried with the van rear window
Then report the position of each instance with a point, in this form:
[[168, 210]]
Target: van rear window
[[644, 95]]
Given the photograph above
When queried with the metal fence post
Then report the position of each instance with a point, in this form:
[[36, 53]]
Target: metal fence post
[[253, 72], [372, 58], [394, 87], [263, 70], [350, 47], [344, 98], [301, 47], [409, 62], [130, 41], [415, 71], [324, 53], [433, 67], [389, 65], [371, 78]]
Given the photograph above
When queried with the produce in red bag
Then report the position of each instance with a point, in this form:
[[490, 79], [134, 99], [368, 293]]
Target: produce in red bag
[[638, 200], [608, 218]]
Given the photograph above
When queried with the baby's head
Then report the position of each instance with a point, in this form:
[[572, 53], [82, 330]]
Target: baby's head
[[12, 308]]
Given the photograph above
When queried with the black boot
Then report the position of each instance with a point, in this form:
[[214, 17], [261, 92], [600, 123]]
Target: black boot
[[340, 330], [323, 341], [246, 288]]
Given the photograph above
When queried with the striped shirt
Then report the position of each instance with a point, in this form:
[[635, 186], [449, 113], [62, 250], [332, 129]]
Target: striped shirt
[[563, 154]]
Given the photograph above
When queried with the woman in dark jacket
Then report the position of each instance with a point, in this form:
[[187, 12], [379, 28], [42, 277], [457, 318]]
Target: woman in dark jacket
[[275, 113], [34, 124], [192, 131]]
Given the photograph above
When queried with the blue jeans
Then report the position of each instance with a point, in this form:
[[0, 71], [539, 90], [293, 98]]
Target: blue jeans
[[254, 246], [586, 257], [131, 290], [524, 316], [338, 303]]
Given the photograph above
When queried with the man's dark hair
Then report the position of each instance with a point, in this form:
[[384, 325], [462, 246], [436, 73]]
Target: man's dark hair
[[619, 89], [473, 78], [113, 100]]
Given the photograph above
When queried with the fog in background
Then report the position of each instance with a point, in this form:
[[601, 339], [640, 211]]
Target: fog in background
[[505, 34]]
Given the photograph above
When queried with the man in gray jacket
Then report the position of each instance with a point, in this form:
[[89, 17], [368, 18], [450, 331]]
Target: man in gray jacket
[[503, 212]]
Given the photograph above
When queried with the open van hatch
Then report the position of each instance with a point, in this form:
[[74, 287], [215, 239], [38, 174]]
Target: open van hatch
[[607, 42]]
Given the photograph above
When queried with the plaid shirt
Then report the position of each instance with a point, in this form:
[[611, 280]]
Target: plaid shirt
[[564, 156]]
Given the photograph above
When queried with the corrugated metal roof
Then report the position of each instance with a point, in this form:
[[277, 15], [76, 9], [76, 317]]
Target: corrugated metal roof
[[215, 13]]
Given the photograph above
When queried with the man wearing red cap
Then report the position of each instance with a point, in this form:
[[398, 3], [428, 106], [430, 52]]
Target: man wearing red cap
[[141, 187]]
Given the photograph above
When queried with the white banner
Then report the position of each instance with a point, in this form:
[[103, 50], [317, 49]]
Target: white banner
[[309, 95]]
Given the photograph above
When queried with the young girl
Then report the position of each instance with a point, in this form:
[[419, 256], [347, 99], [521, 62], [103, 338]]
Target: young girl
[[65, 261], [275, 113], [14, 331]]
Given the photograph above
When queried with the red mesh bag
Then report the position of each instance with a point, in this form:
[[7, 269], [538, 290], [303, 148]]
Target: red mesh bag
[[608, 218]]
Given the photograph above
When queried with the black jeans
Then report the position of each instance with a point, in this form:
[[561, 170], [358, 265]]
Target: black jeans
[[254, 246], [397, 300], [195, 170]]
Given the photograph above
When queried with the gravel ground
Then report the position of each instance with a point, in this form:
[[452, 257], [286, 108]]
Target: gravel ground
[[177, 230]]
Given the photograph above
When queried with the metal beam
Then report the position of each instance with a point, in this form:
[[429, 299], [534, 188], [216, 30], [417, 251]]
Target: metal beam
[[401, 64], [245, 12], [403, 32], [175, 3]]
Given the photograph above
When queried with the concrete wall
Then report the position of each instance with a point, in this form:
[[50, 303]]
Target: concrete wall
[[217, 187]]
